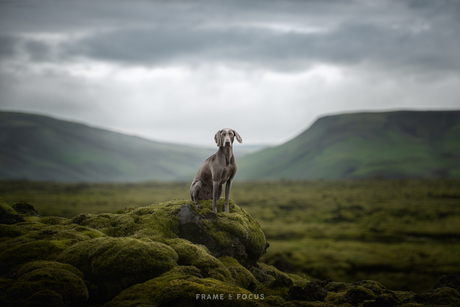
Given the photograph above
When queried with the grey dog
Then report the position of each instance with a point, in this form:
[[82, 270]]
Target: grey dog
[[218, 169]]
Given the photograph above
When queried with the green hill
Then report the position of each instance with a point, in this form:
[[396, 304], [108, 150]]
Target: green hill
[[360, 145], [42, 148]]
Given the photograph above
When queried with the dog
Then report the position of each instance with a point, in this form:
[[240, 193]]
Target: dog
[[218, 169]]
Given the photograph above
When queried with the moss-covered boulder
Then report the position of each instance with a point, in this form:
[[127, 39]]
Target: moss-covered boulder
[[440, 296], [235, 234], [29, 241], [183, 286], [168, 254], [114, 264], [8, 215], [24, 208], [201, 258], [48, 286], [242, 277]]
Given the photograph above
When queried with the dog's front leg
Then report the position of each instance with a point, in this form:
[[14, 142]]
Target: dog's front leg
[[215, 195], [227, 195]]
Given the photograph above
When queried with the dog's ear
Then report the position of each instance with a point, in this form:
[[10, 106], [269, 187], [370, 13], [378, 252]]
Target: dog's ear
[[218, 138], [238, 137]]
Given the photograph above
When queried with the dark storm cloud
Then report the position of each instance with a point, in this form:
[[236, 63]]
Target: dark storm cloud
[[95, 62], [7, 46], [403, 35]]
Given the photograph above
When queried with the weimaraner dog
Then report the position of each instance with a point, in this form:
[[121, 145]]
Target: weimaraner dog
[[218, 169]]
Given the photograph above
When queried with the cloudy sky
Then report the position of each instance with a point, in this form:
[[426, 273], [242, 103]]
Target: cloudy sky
[[178, 71]]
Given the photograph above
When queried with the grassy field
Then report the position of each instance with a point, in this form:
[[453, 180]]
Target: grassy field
[[403, 233]]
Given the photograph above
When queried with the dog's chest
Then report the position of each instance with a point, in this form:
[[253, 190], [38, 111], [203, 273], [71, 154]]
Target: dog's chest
[[227, 172]]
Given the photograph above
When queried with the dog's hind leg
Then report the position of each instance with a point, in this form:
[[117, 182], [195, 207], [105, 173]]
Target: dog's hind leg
[[195, 191]]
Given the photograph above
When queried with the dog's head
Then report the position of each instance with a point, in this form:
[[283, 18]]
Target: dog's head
[[224, 137]]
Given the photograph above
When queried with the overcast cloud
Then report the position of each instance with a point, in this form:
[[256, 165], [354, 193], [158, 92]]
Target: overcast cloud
[[178, 71]]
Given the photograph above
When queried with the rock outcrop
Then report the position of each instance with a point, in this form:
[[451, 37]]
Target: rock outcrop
[[8, 215], [167, 254]]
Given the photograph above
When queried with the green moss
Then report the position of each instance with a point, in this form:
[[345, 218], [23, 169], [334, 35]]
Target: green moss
[[298, 280], [187, 252], [54, 220], [117, 263], [199, 257], [262, 277], [45, 298], [266, 275], [50, 284], [241, 276], [161, 218], [156, 221], [376, 287], [7, 207], [440, 296], [180, 287], [184, 292], [237, 223], [355, 295], [11, 259], [274, 300], [405, 297], [270, 270], [38, 231], [282, 292], [31, 218], [144, 294], [42, 264], [25, 209], [10, 231], [223, 239], [335, 286]]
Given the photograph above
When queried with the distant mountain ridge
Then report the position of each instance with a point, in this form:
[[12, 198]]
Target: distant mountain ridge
[[38, 147], [361, 145]]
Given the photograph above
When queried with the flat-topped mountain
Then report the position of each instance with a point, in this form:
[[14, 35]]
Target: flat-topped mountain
[[389, 144]]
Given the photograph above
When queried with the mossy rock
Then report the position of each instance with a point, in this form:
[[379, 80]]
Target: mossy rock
[[241, 276], [235, 234], [48, 285], [42, 264], [355, 296], [12, 258], [274, 300], [54, 220], [180, 287], [24, 242], [440, 296], [33, 231], [9, 231], [24, 208], [405, 297], [147, 257], [8, 215], [198, 256], [114, 264], [157, 221], [267, 276]]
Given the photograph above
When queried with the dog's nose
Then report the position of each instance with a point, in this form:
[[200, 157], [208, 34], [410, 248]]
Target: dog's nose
[[227, 143]]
